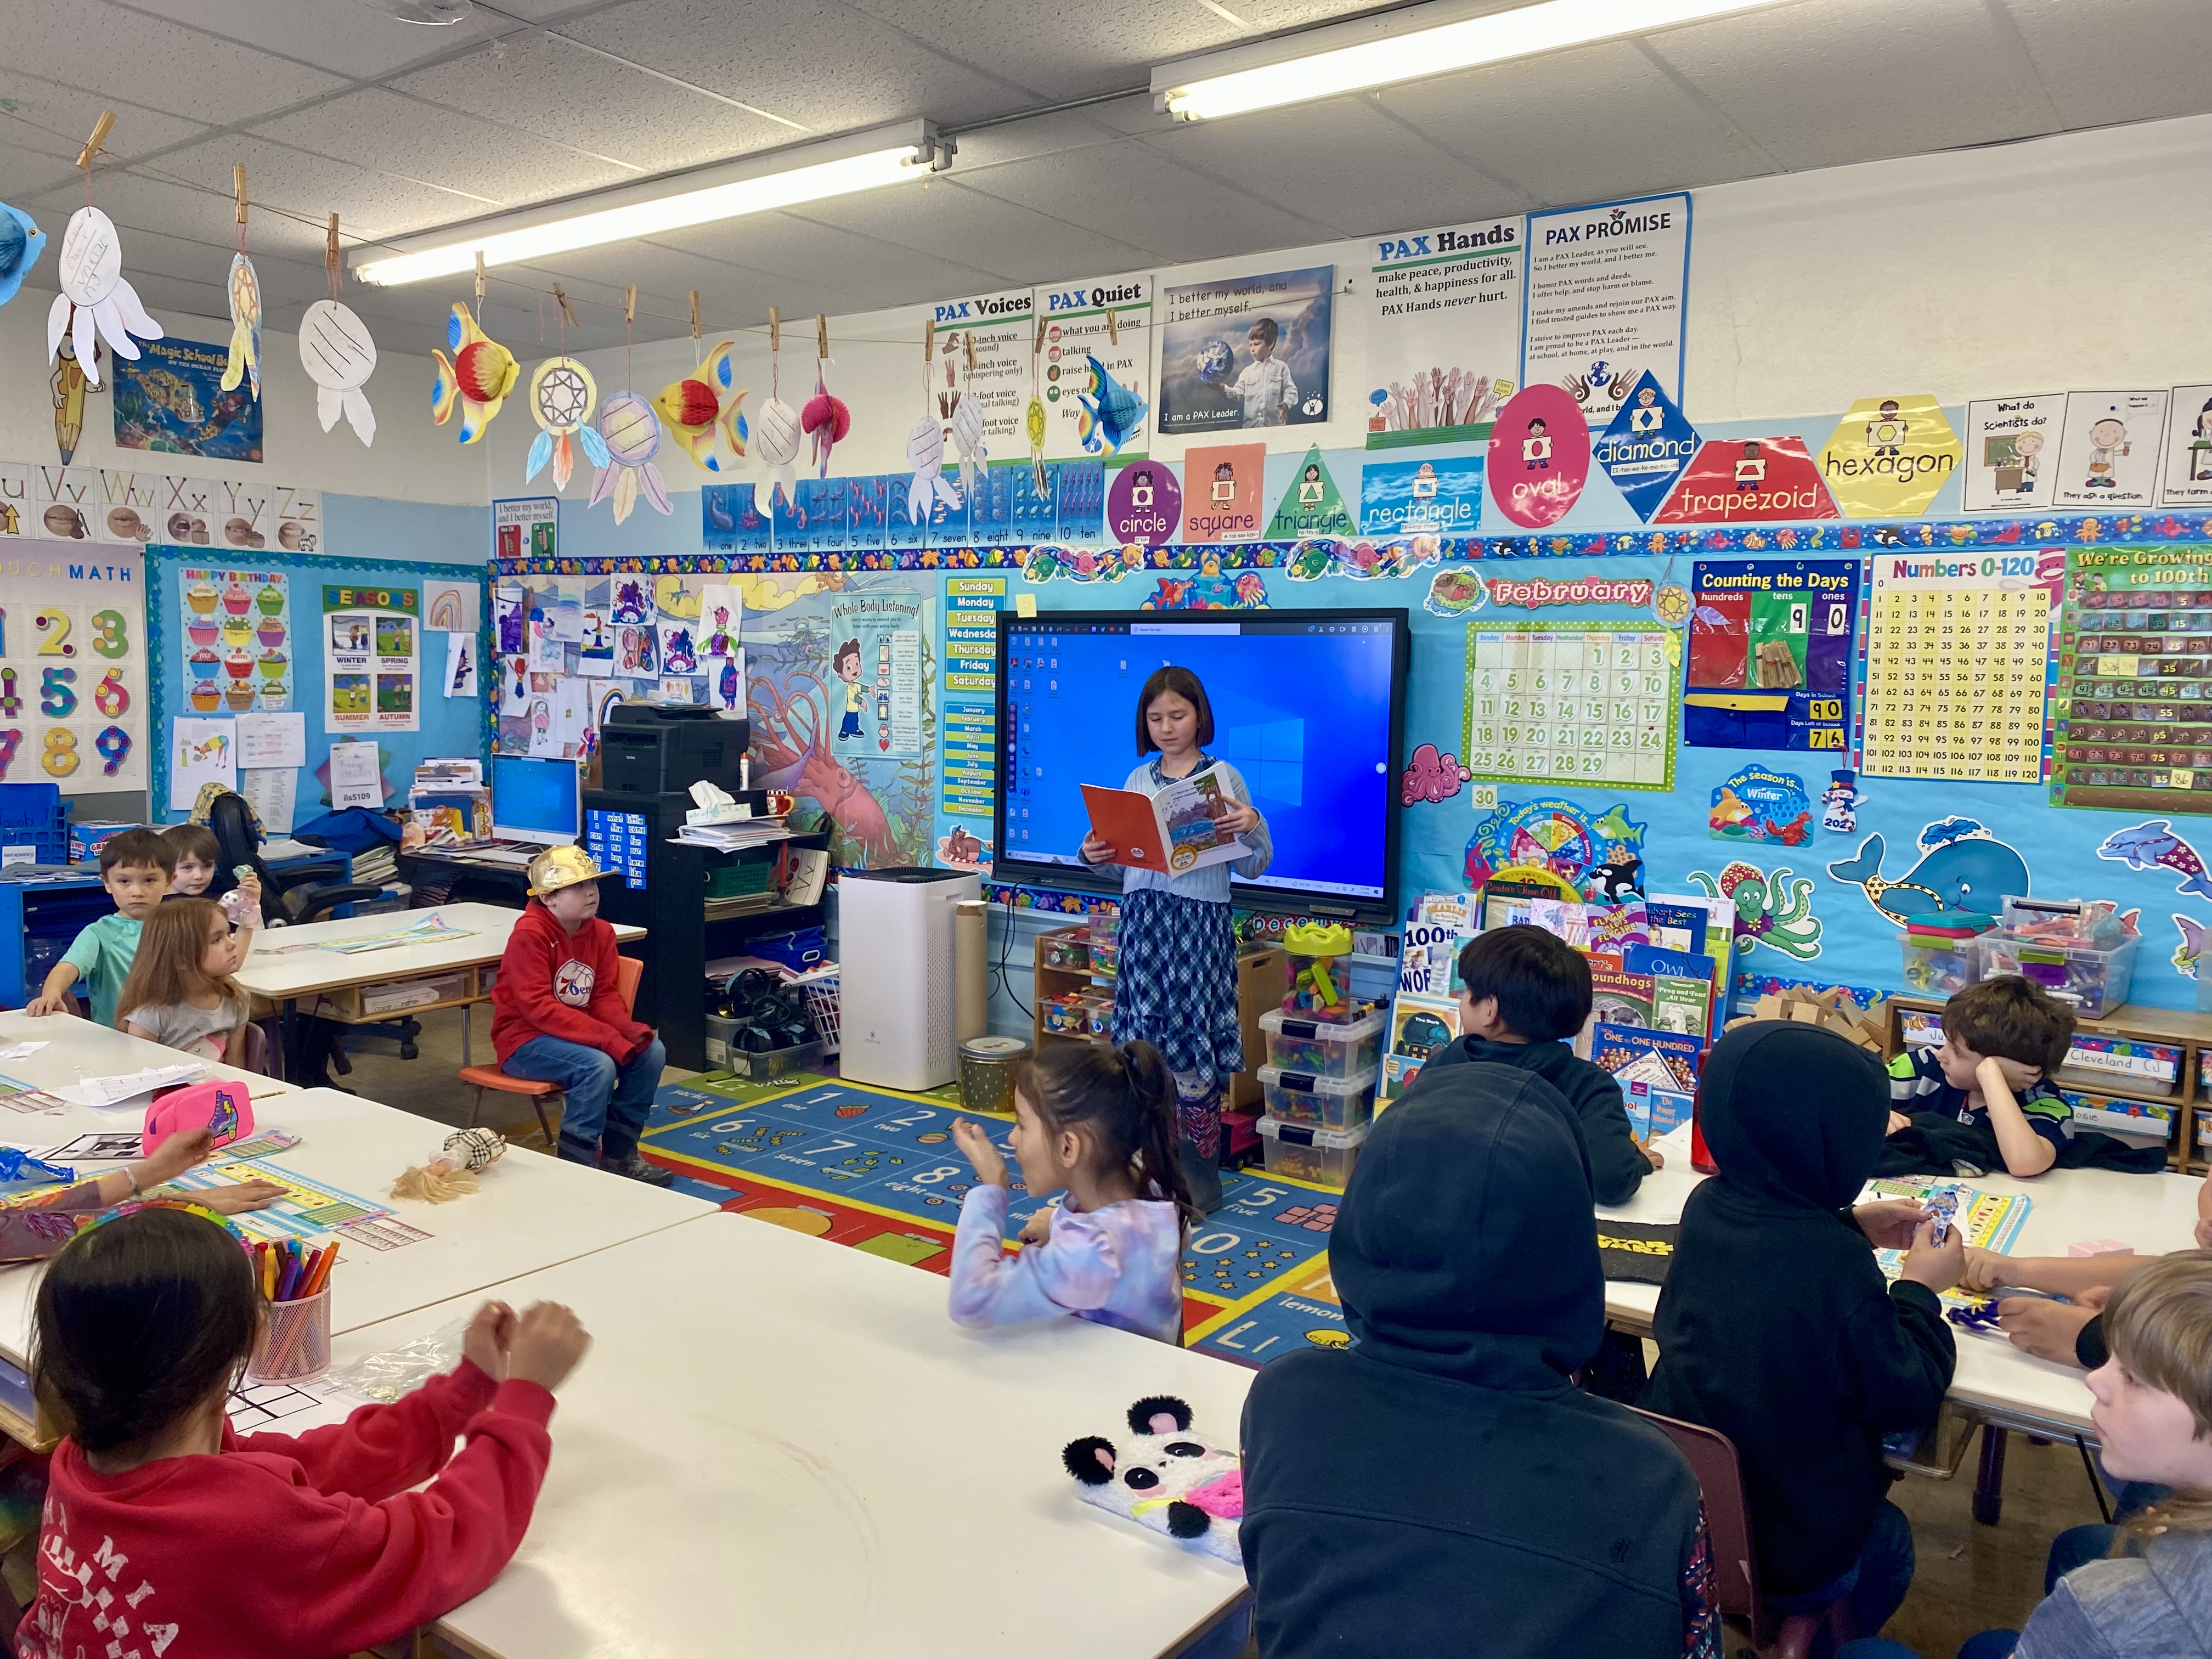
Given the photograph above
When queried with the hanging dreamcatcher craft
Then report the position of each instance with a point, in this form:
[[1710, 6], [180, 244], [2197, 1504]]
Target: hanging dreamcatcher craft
[[562, 394], [632, 434]]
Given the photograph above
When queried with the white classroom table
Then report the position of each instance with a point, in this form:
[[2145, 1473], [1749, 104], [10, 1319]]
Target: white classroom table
[[76, 1049], [531, 1211], [284, 964], [1995, 1380], [781, 1446]]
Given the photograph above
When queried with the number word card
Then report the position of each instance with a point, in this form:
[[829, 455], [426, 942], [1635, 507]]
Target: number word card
[[1561, 703], [1958, 652]]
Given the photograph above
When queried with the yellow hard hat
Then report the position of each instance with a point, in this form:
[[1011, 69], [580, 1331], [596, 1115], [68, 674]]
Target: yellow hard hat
[[562, 866]]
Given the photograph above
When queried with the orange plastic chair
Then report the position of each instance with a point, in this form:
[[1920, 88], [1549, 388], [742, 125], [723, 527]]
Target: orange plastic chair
[[628, 971], [1712, 1457]]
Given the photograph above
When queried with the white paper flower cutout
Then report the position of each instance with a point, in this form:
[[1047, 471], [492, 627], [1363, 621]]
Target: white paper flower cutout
[[95, 300]]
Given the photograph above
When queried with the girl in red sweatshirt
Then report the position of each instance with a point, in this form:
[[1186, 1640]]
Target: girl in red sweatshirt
[[167, 1536], [557, 1017]]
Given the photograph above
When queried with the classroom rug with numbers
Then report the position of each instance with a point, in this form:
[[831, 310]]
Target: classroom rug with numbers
[[875, 1170]]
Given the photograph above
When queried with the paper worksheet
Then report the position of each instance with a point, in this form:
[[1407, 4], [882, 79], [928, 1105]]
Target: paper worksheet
[[130, 1085], [356, 779], [273, 792], [266, 739]]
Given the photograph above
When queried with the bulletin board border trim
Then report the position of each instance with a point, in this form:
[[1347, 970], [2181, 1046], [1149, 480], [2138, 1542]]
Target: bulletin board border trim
[[159, 622], [1369, 557]]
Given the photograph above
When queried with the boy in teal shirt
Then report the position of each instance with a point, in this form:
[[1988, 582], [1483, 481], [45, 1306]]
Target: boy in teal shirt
[[135, 868]]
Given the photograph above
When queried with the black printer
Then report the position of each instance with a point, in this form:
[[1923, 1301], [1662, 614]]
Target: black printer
[[660, 749]]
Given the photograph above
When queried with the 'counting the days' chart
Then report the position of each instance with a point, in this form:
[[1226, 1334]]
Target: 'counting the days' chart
[[1592, 702], [1956, 667]]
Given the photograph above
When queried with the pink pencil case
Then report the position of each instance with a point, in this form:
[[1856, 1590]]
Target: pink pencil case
[[224, 1107]]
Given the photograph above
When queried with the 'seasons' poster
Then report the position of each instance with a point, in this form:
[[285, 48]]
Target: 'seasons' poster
[[1603, 300], [1246, 351], [1444, 332], [985, 341]]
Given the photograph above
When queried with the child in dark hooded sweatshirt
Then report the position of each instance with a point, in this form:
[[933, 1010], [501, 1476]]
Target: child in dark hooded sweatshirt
[[1776, 1327], [1441, 1486]]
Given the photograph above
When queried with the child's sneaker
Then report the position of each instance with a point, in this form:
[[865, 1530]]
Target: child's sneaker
[[636, 1168]]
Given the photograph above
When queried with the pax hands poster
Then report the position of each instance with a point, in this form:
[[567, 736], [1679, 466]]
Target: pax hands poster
[[171, 401], [1246, 351]]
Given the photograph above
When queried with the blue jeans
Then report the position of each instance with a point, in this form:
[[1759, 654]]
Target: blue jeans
[[1875, 1582], [1989, 1644], [604, 1101], [2079, 1546]]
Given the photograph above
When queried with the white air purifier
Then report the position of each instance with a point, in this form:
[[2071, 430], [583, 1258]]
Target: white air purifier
[[895, 952]]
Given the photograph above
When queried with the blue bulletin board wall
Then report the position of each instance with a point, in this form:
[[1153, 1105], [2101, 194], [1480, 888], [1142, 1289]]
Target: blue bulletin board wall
[[449, 726]]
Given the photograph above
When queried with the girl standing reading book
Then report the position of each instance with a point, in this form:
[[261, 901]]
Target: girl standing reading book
[[1177, 986]]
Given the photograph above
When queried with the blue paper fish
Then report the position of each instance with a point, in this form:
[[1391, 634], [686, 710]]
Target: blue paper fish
[[20, 243], [1110, 411]]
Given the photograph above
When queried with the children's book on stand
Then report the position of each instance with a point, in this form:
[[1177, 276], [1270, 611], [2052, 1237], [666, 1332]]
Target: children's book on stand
[[1175, 831], [1658, 1072]]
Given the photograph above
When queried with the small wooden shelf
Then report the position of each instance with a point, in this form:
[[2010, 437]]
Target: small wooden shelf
[[2189, 1031]]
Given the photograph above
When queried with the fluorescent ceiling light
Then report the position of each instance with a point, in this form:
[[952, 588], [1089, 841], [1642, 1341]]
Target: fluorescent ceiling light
[[1406, 46], [860, 162]]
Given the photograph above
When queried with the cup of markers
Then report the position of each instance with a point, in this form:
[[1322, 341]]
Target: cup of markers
[[295, 1344]]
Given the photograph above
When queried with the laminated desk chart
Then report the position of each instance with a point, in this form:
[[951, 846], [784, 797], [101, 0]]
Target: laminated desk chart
[[1957, 652], [1590, 703]]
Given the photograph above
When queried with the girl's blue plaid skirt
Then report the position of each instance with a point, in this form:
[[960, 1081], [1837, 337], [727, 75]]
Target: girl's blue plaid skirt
[[1176, 989]]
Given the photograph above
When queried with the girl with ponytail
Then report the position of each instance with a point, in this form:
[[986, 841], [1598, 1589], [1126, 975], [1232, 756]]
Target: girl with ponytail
[[1098, 1126]]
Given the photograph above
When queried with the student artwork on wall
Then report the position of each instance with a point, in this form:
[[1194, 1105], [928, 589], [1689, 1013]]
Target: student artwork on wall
[[2109, 450], [1443, 339], [1245, 352], [2012, 452], [1889, 455], [171, 399], [1770, 655]]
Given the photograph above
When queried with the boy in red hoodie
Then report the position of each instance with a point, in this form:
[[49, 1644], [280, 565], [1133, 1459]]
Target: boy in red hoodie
[[558, 1017]]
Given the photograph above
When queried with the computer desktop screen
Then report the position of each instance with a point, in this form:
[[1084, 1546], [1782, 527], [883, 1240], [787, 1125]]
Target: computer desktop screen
[[535, 800], [1305, 706]]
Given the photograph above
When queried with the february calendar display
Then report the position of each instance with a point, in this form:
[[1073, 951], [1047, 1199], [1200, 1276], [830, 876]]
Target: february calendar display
[[1550, 702], [1956, 662], [73, 669], [2134, 711]]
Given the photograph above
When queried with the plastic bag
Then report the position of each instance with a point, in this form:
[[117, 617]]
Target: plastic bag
[[385, 1377]]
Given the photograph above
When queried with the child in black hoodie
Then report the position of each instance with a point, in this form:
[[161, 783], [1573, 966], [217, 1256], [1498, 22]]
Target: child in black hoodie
[[1775, 1327], [1441, 1486], [1522, 991]]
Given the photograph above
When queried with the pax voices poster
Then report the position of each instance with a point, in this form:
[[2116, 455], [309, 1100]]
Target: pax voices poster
[[1246, 351]]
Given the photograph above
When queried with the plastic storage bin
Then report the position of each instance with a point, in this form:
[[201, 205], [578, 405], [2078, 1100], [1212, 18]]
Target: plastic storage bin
[[775, 1062], [34, 825], [2064, 922], [1322, 1046], [1326, 1156], [1939, 966], [2091, 982], [1069, 949], [1320, 1102]]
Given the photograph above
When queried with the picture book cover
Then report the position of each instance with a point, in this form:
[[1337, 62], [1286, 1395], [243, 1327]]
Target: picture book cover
[[1682, 1006], [1662, 1060], [1419, 1026], [1674, 926], [1620, 997]]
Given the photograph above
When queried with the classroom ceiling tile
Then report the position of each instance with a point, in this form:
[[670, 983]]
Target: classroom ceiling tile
[[1632, 130], [370, 202], [1320, 161], [971, 228], [2110, 63], [536, 84], [1824, 83], [814, 62], [128, 55], [1146, 198], [350, 39], [807, 254]]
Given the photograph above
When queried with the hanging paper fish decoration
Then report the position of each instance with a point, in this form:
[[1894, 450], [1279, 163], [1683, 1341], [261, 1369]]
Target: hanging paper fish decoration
[[245, 361], [96, 303], [562, 393], [825, 419], [20, 243], [968, 439], [1110, 412], [632, 432], [925, 454], [704, 414], [339, 357], [475, 379], [1035, 422]]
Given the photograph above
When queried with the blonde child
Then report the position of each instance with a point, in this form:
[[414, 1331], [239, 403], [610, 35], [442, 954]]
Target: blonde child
[[1098, 1125], [181, 992], [135, 868], [198, 857], [266, 1544]]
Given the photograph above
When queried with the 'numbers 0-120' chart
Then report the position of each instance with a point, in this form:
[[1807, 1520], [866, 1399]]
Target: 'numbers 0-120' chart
[[1957, 652], [1589, 703]]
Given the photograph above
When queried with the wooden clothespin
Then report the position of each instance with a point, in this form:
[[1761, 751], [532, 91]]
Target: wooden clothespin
[[567, 311], [1036, 346], [330, 245], [929, 340], [1113, 328], [695, 314], [821, 336], [629, 303], [775, 329], [969, 340], [237, 188], [100, 131], [480, 279]]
